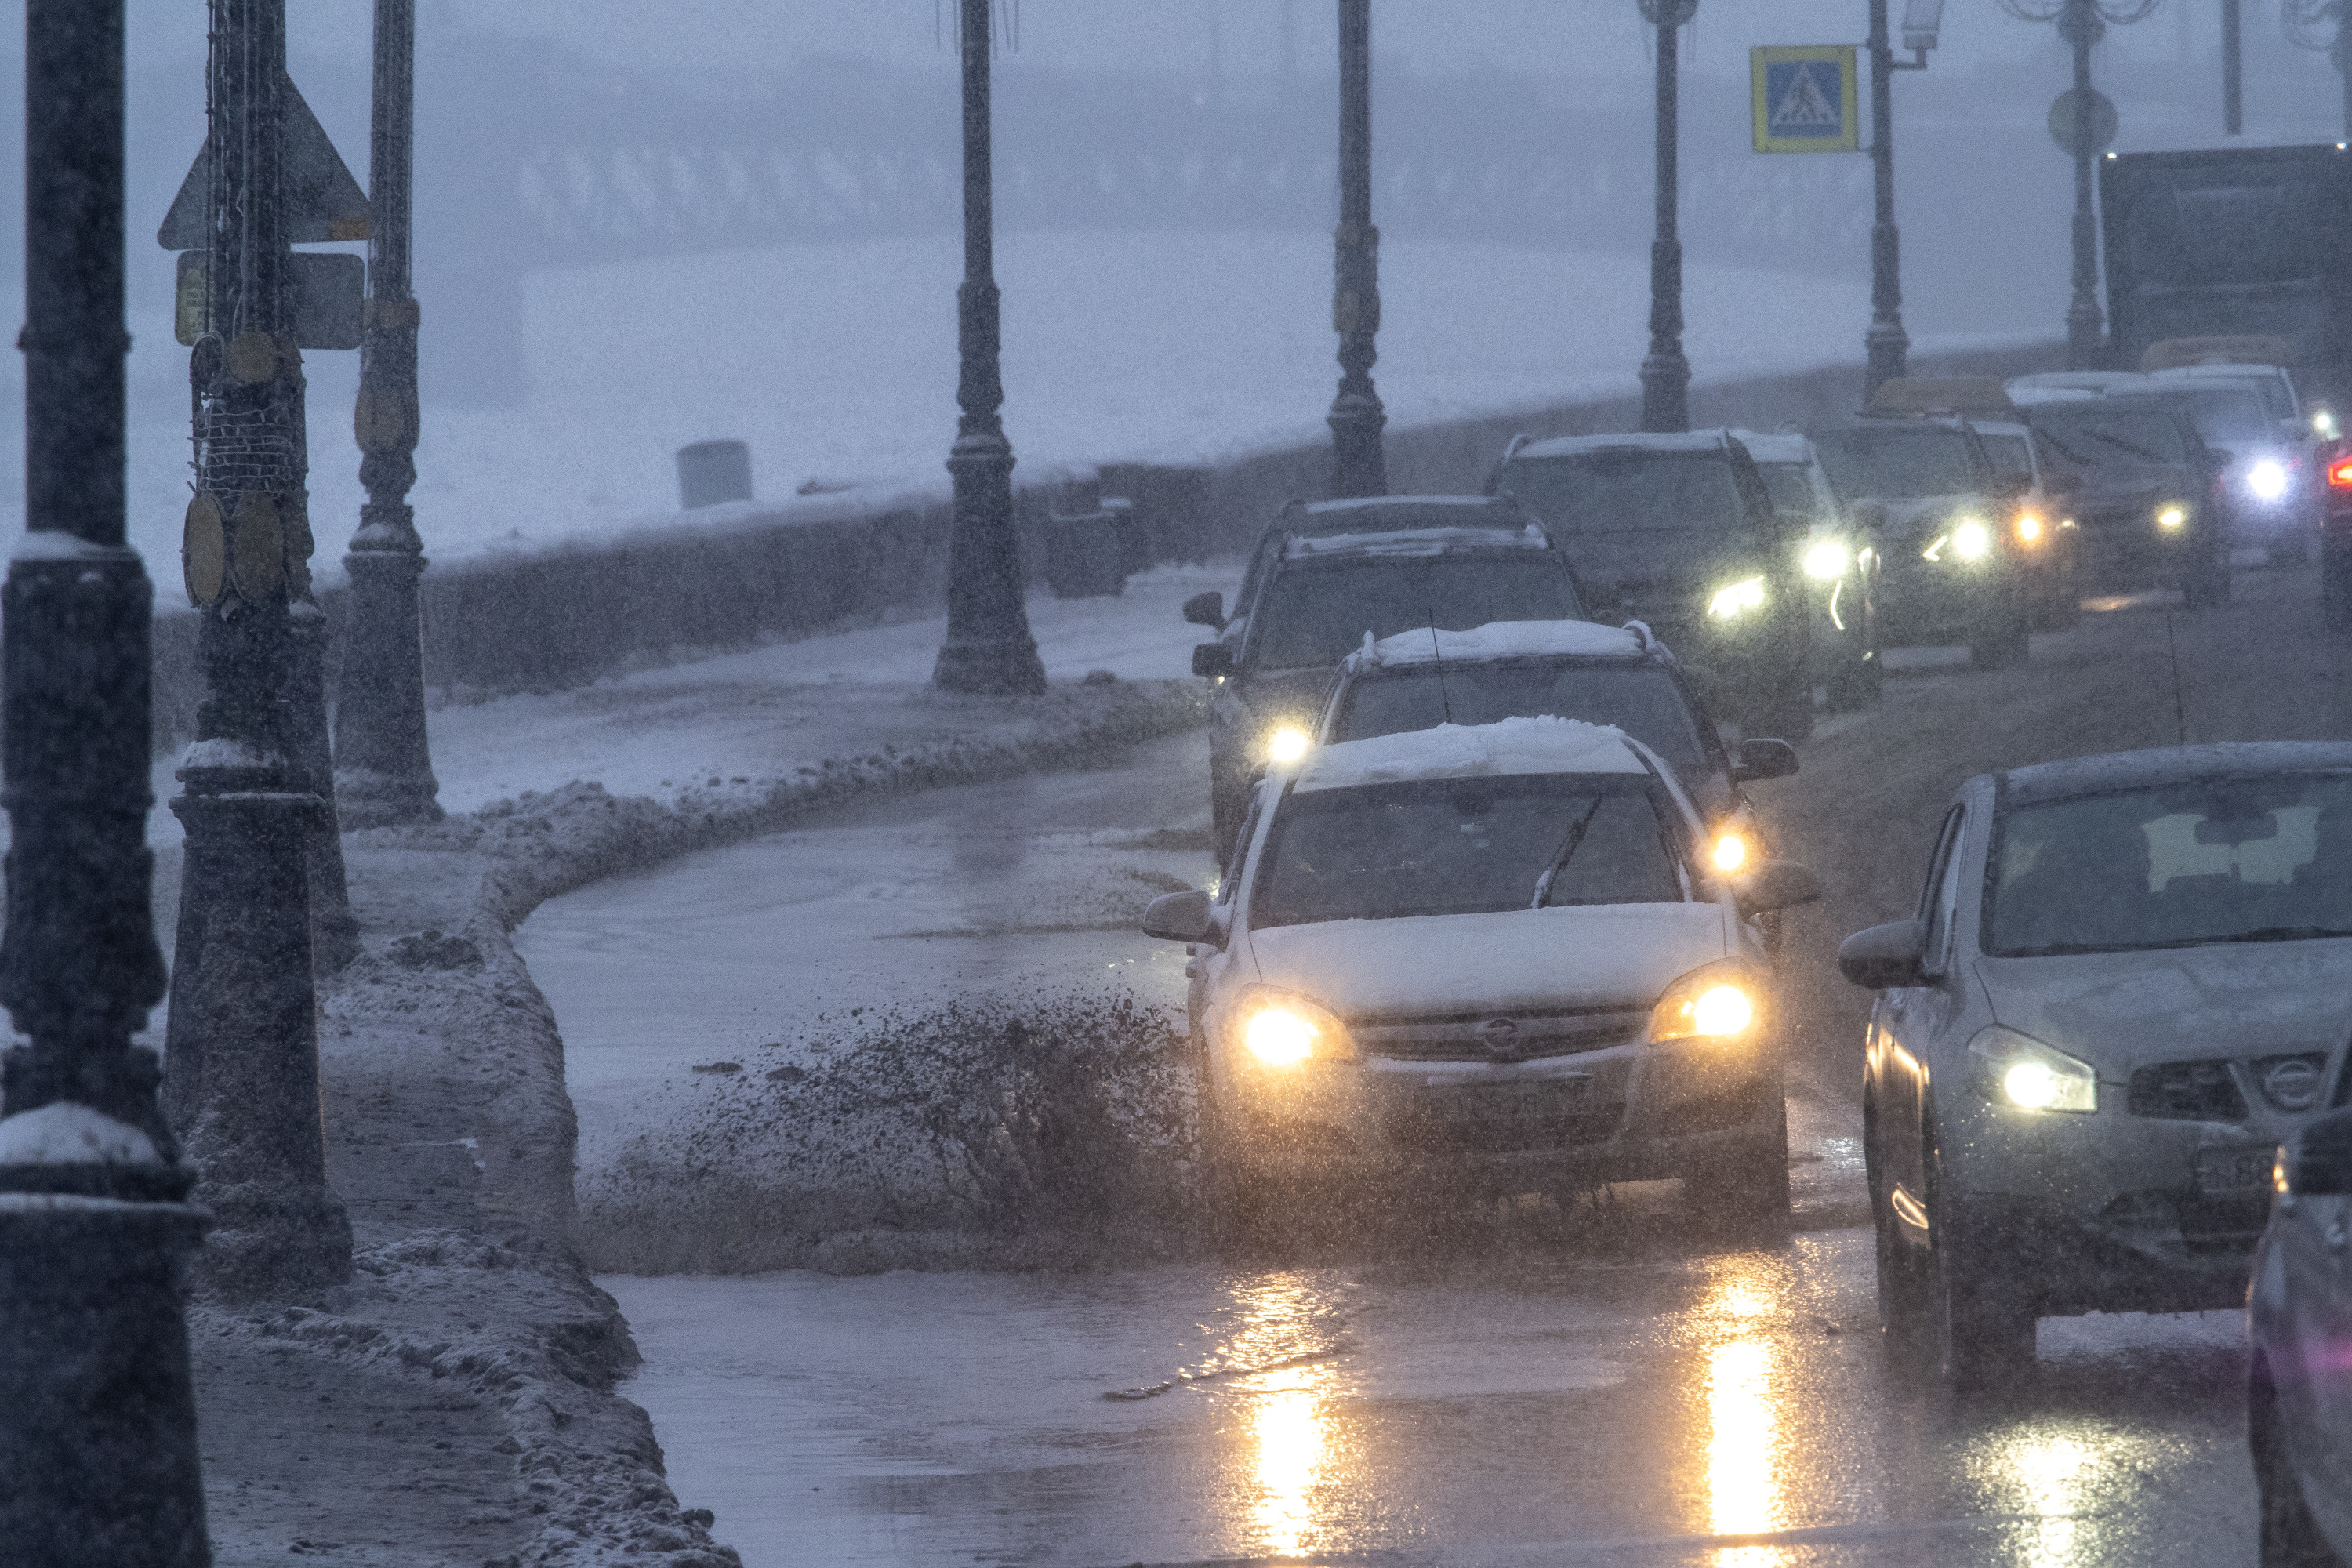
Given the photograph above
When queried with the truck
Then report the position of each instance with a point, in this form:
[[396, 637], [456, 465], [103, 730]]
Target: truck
[[2237, 242]]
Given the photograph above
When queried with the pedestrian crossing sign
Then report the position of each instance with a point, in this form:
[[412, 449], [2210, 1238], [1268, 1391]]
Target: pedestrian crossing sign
[[1803, 98]]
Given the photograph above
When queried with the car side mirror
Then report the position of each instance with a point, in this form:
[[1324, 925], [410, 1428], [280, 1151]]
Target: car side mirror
[[1182, 917], [1206, 610], [1776, 885], [1886, 958], [1763, 758], [2316, 1161], [1210, 658]]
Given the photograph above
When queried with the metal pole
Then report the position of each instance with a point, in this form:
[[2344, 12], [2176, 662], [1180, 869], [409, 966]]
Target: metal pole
[[988, 649], [242, 1039], [1665, 374], [2234, 106], [2080, 27], [1887, 345], [1359, 464], [383, 770], [99, 1463]]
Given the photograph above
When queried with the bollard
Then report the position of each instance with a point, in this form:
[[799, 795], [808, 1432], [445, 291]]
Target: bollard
[[711, 473]]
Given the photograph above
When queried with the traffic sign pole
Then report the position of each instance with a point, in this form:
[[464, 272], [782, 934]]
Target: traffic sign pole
[[1886, 346]]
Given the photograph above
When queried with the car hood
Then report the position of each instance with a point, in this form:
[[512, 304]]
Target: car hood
[[1620, 954], [2115, 482], [1269, 693], [2117, 1010]]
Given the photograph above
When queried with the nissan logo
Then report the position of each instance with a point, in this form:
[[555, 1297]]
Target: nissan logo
[[1499, 1035], [2292, 1083]]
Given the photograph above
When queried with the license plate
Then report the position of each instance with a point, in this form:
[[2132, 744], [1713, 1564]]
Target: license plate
[[1512, 1101], [2235, 1172]]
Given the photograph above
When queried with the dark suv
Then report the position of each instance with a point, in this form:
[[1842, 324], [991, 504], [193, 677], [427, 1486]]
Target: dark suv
[[2153, 500], [1680, 532], [1329, 573]]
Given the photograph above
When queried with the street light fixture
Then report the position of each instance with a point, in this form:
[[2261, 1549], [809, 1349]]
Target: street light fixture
[[1359, 464], [1666, 373], [989, 649]]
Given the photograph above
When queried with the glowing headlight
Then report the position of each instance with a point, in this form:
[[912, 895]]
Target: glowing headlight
[[1730, 852], [1280, 1030], [2172, 515], [2323, 424], [2267, 480], [1719, 1002], [1972, 539], [2017, 1070], [1729, 602], [1286, 744], [1824, 559], [2028, 527]]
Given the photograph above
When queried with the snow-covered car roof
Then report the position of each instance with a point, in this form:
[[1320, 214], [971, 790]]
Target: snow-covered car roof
[[1506, 639], [1780, 446], [2001, 427], [2081, 380], [2171, 765], [1416, 541], [1623, 441], [1381, 514], [1539, 745], [2033, 397]]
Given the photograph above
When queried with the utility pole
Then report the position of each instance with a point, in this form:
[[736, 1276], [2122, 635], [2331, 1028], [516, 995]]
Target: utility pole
[[1666, 373], [2081, 27], [988, 649], [384, 772], [1358, 465], [1886, 345], [241, 1045], [99, 1465], [2233, 103]]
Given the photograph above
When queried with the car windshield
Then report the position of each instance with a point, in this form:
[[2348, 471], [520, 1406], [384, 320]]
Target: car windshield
[[1896, 462], [2090, 437], [1318, 614], [1644, 700], [1790, 485], [2011, 457], [1466, 846], [1629, 491], [2221, 860], [2226, 416]]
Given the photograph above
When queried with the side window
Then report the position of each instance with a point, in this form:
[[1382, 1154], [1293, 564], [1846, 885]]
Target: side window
[[1940, 896]]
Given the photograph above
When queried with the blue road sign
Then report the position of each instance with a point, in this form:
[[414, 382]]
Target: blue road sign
[[1803, 98]]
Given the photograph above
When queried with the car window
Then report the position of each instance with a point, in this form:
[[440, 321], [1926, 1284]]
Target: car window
[[1644, 700], [1939, 896], [1315, 616], [2012, 459], [2225, 860], [1467, 845], [1790, 485], [1629, 492], [1897, 461], [2090, 437], [2226, 416], [1230, 876]]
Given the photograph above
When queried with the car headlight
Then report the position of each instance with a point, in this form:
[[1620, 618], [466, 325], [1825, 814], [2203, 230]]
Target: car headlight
[[2323, 424], [2029, 528], [1722, 1002], [1737, 599], [1825, 559], [1972, 539], [1281, 1029], [2266, 480], [1731, 851], [2018, 1071], [1285, 743], [2172, 514]]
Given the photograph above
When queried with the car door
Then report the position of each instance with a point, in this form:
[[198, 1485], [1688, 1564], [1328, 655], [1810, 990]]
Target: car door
[[2313, 1244], [1906, 1025]]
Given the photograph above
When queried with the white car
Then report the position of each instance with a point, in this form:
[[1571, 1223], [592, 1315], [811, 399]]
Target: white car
[[1491, 957]]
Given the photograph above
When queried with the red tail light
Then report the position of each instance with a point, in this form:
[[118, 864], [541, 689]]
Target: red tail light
[[2339, 474]]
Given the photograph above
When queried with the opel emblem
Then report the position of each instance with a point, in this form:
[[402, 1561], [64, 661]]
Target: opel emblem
[[1499, 1035], [2291, 1084]]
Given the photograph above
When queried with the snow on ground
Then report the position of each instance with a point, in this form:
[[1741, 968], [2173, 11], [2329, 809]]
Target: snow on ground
[[838, 362]]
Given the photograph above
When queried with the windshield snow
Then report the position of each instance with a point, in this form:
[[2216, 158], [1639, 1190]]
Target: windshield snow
[[1466, 846], [1318, 614], [1897, 462], [1642, 700], [2266, 860]]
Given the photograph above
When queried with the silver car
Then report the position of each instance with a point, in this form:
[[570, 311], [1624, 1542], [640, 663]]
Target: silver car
[[2124, 985]]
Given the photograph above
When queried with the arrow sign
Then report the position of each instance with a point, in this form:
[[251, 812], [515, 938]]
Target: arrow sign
[[322, 201]]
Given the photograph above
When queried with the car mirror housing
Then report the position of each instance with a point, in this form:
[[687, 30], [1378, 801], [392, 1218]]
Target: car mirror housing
[[1206, 610], [1886, 958], [2318, 1157], [1776, 885], [1763, 758], [1212, 658], [1182, 917]]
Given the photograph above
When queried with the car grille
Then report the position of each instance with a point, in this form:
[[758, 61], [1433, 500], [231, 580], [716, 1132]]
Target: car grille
[[2187, 1091], [1495, 1036], [1591, 1123]]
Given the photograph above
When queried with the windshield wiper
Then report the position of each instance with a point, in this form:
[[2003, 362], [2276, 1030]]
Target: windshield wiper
[[1567, 852], [2283, 934]]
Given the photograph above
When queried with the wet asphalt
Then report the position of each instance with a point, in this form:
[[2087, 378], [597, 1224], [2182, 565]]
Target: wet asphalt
[[1615, 1382]]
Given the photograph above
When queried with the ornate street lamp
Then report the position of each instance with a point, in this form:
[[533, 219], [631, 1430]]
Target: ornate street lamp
[[384, 772], [99, 1463], [1666, 373], [1358, 465], [2318, 25], [1887, 344], [988, 649]]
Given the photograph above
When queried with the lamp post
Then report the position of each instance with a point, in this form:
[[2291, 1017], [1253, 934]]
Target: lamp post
[[242, 1042], [383, 770], [988, 649], [2233, 103], [98, 1424], [1886, 346], [1358, 465], [1666, 373]]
